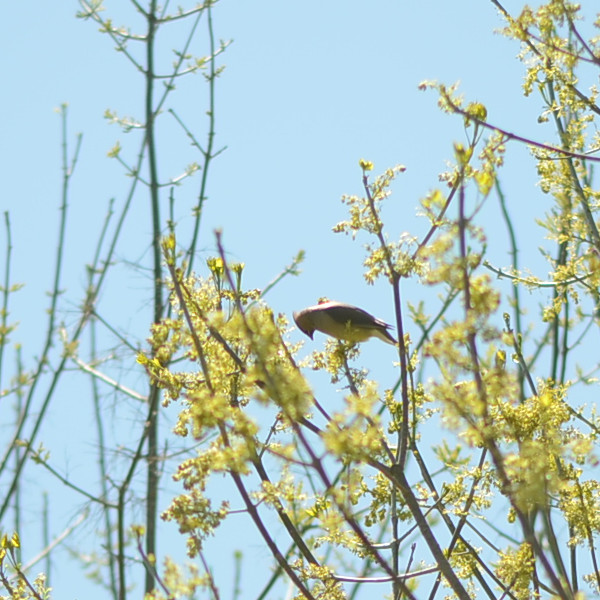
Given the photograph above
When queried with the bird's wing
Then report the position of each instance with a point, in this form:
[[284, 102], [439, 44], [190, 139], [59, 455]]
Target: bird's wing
[[359, 318]]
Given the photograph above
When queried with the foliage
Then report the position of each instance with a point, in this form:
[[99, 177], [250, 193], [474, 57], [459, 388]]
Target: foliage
[[365, 496], [355, 484]]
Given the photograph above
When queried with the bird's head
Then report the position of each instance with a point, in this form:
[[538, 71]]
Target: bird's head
[[303, 321]]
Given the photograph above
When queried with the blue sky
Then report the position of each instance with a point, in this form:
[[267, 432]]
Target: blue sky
[[309, 88]]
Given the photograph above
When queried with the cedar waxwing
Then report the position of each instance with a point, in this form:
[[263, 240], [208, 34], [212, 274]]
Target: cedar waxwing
[[342, 321]]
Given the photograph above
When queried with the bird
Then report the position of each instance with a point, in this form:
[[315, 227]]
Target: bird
[[342, 321]]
